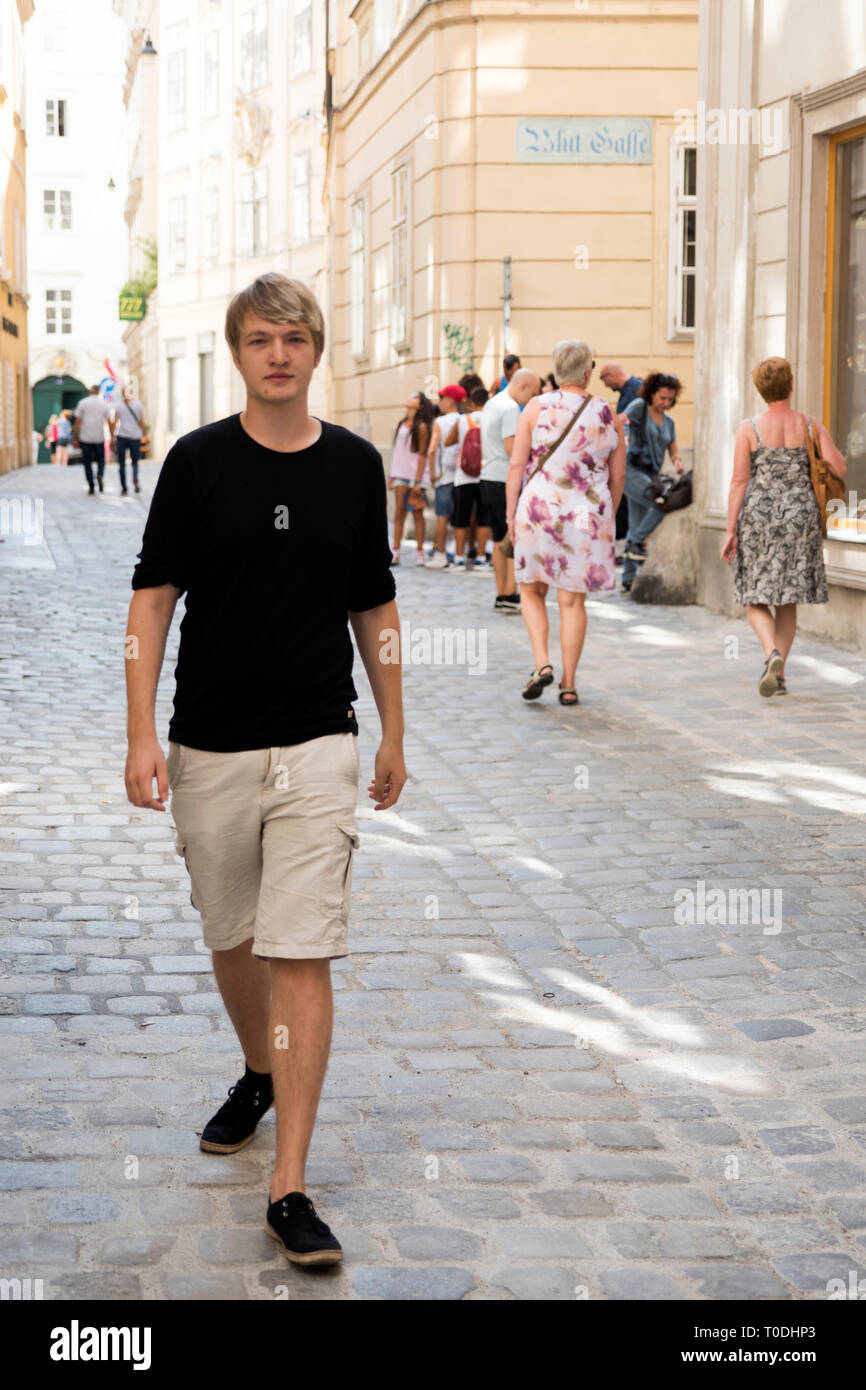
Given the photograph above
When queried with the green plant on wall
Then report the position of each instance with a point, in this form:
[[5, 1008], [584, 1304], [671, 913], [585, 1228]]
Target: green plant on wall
[[145, 282], [459, 345]]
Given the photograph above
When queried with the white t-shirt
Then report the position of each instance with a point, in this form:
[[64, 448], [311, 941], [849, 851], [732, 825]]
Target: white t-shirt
[[462, 427], [446, 458], [130, 415], [498, 420], [92, 411]]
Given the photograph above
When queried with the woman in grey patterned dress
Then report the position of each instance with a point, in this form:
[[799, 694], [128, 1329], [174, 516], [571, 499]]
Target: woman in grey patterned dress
[[774, 523]]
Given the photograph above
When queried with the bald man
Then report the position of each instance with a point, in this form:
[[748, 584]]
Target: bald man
[[498, 426]]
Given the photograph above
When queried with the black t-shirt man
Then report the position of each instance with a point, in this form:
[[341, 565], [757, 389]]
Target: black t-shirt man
[[272, 550]]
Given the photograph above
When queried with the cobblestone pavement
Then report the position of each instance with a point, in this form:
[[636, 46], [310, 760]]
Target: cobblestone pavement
[[551, 1078]]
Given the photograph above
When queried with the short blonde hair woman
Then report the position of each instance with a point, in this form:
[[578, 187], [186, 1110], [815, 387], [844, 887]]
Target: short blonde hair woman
[[773, 537]]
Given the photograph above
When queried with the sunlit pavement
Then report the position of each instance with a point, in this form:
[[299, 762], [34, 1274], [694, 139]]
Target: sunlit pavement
[[601, 1034]]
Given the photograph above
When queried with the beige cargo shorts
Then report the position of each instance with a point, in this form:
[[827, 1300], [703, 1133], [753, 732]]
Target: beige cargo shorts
[[268, 836]]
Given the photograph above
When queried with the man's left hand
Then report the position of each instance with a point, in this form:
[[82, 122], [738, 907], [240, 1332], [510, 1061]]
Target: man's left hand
[[390, 775]]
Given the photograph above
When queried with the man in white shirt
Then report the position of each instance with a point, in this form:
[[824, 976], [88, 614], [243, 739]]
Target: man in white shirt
[[91, 414], [498, 426]]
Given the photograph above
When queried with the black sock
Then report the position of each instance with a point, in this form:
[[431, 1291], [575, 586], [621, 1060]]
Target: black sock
[[250, 1075]]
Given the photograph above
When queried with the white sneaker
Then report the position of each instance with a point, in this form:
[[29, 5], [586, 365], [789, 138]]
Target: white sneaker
[[395, 557], [420, 560], [439, 561]]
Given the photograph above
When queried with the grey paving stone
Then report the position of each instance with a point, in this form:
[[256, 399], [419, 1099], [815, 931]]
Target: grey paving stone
[[736, 1281], [81, 1208], [814, 1271], [435, 1243], [619, 1168], [503, 1167], [675, 1202], [621, 1136], [671, 1240], [204, 1287], [756, 1198], [477, 1202], [402, 1284], [798, 1139], [639, 1284], [766, 1029], [98, 1285], [135, 1249], [539, 1283]]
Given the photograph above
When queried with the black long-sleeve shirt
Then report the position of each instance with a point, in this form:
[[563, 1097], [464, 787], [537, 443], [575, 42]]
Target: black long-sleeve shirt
[[273, 551]]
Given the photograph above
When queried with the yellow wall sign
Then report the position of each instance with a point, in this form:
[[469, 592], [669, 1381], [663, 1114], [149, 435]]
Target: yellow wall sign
[[131, 306]]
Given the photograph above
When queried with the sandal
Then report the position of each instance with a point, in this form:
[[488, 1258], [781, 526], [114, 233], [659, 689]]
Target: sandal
[[537, 681], [568, 690]]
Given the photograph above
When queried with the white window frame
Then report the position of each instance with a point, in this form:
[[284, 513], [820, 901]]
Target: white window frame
[[175, 91], [253, 213], [253, 31], [58, 299], [210, 226], [401, 251], [302, 37], [49, 209], [301, 199], [681, 204], [176, 385], [210, 74], [56, 118], [359, 276], [176, 212]]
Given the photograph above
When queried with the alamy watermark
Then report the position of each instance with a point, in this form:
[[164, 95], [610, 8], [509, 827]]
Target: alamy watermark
[[722, 907], [738, 125], [438, 646]]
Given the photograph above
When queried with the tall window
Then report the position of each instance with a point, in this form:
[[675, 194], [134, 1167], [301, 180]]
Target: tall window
[[56, 116], [845, 349], [302, 36], [400, 256], [301, 196], [176, 91], [210, 74], [683, 240], [175, 352], [58, 311], [254, 47], [57, 208], [210, 228], [205, 378], [253, 229], [177, 232], [358, 277]]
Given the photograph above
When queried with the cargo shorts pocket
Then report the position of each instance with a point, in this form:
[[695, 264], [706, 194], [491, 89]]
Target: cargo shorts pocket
[[181, 849], [338, 879], [174, 763]]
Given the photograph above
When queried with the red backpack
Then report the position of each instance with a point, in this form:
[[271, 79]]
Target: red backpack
[[470, 450]]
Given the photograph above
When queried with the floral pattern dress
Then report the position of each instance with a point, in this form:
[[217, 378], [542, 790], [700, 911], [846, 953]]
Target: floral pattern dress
[[564, 524], [780, 550]]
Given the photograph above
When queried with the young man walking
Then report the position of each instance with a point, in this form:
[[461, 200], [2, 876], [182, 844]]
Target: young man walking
[[274, 525], [498, 426], [88, 430]]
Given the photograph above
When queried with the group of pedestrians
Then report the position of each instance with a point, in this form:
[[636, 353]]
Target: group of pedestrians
[[85, 428]]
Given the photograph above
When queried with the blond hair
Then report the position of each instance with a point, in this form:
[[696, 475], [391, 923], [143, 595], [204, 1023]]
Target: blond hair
[[277, 299], [773, 378]]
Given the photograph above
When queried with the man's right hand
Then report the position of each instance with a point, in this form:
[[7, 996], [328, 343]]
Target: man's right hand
[[144, 762]]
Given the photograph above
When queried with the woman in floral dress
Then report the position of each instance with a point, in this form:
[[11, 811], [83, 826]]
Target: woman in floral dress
[[561, 521], [774, 535]]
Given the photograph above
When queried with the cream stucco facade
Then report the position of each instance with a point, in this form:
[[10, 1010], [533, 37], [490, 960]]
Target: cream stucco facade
[[482, 103], [771, 226]]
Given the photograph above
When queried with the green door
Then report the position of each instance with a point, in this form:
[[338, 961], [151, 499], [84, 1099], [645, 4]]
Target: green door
[[51, 395]]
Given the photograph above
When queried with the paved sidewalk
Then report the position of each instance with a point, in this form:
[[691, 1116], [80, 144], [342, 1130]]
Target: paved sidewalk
[[564, 1066]]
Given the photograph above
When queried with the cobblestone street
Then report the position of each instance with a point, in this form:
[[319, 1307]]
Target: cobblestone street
[[551, 1077]]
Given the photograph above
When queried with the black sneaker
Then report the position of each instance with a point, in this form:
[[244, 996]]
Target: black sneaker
[[234, 1124], [507, 603], [305, 1238], [100, 484], [91, 491]]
